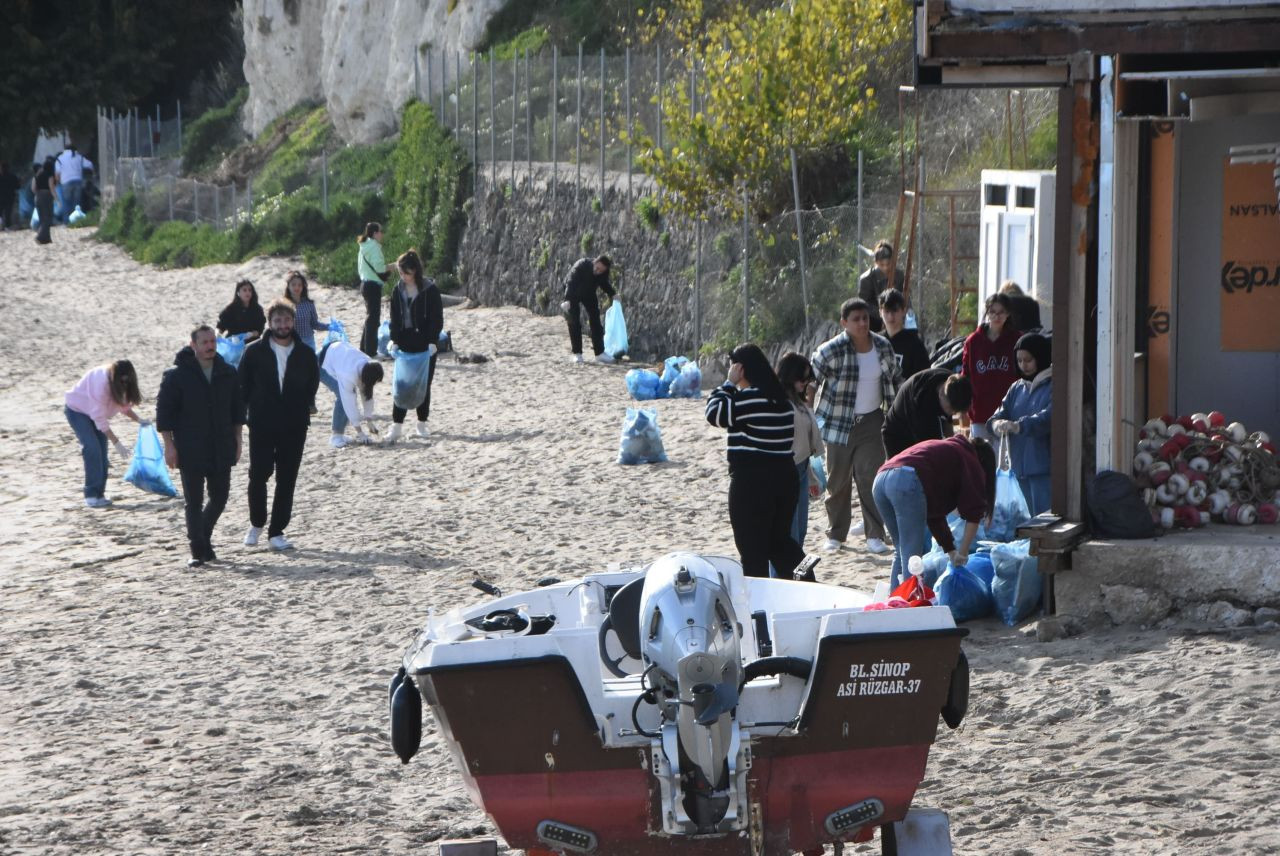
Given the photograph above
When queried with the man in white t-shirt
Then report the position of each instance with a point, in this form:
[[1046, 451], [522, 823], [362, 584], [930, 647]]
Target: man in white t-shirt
[[70, 167], [859, 374]]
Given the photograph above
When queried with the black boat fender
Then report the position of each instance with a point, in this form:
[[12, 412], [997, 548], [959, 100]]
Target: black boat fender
[[406, 719], [957, 704], [395, 684]]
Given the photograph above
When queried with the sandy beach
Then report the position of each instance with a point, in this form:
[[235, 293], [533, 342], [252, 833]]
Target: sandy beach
[[241, 708]]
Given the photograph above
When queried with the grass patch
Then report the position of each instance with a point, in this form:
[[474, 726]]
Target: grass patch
[[430, 174], [209, 138]]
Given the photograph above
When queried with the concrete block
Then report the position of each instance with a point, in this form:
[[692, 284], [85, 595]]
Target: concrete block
[[469, 847], [924, 832]]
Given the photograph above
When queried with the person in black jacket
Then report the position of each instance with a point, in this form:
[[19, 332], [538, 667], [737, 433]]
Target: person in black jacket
[[417, 317], [911, 353], [580, 293], [278, 380], [1024, 310], [923, 407], [198, 414], [243, 314]]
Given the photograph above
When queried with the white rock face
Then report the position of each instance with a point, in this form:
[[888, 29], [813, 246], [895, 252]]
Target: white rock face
[[356, 56]]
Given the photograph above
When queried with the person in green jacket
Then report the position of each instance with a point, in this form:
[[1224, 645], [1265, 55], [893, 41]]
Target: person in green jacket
[[371, 267]]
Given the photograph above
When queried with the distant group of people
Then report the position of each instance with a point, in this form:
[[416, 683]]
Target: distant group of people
[[62, 180], [869, 403], [204, 403]]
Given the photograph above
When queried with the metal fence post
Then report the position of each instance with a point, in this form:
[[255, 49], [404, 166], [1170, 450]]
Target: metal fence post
[[804, 284], [417, 87], [457, 93], [475, 124], [528, 120], [659, 123], [195, 201], [248, 194], [577, 127], [515, 100], [627, 91], [179, 125], [697, 289], [427, 99], [217, 207], [170, 197], [324, 181], [857, 255], [493, 126], [746, 258], [601, 129], [444, 88], [555, 109]]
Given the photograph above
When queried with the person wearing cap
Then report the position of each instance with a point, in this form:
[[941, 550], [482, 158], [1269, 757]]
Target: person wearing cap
[[1024, 417], [876, 280]]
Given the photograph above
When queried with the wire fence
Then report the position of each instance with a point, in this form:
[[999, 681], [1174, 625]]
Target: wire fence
[[555, 122]]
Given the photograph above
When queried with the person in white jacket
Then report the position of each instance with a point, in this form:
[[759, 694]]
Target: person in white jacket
[[351, 375]]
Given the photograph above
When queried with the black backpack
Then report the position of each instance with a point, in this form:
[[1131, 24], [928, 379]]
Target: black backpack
[[1116, 509]]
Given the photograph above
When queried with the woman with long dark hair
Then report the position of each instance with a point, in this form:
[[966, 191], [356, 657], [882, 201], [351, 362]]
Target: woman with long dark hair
[[42, 185], [371, 267], [305, 318], [988, 362], [755, 409], [99, 395], [796, 376], [243, 314], [417, 317], [916, 489]]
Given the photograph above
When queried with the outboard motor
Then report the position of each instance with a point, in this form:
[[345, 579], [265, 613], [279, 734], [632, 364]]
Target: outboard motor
[[690, 640]]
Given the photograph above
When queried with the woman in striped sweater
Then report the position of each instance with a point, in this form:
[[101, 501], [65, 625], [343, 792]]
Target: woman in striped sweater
[[763, 488]]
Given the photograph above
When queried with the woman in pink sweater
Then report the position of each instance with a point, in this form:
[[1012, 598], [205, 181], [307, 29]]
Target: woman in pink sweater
[[101, 394]]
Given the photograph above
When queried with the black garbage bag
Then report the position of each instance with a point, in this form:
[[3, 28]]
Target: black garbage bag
[[1116, 509]]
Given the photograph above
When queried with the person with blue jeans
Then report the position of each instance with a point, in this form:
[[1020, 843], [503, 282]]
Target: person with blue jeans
[[99, 395], [70, 167], [350, 375], [796, 376], [916, 489]]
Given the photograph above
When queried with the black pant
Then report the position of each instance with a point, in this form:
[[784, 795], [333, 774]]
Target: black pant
[[202, 517], [424, 409], [592, 308], [44, 207], [281, 452], [762, 502], [372, 294]]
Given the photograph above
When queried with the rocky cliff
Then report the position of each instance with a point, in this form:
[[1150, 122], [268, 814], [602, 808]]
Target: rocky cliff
[[355, 56]]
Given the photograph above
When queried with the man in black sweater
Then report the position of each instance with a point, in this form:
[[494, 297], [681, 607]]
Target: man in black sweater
[[923, 408], [198, 412], [278, 380], [580, 293], [912, 356]]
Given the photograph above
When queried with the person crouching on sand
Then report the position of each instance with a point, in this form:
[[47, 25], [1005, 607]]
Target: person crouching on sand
[[351, 375], [99, 395]]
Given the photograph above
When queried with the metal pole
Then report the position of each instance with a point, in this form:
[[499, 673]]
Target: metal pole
[[857, 255], [159, 130], [171, 197], [515, 99], [248, 195], [417, 88], [528, 120], [697, 289], [626, 87], [195, 201], [555, 109], [746, 294], [475, 124], [324, 182], [151, 137], [457, 92], [444, 89], [601, 129], [179, 124], [804, 283], [427, 99], [493, 126], [577, 127], [659, 98], [217, 207]]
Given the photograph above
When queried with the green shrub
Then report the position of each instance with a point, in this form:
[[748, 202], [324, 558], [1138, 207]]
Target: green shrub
[[430, 174], [295, 163], [532, 40], [647, 212], [585, 242], [212, 135], [664, 239], [126, 224], [596, 205]]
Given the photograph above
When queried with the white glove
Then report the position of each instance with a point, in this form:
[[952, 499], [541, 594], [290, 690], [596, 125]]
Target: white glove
[[1001, 426], [121, 450], [564, 307], [362, 438], [431, 349]]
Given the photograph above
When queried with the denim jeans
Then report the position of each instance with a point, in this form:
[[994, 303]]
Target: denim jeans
[[339, 414], [900, 498], [93, 448], [800, 522], [70, 191]]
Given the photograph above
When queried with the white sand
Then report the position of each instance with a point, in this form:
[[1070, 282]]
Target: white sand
[[145, 708]]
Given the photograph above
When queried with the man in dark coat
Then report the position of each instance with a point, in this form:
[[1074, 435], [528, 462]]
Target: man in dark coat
[[923, 407], [198, 414], [580, 293], [278, 380]]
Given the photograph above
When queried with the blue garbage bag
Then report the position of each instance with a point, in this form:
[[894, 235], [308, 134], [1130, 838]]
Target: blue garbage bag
[[231, 348], [35, 218], [615, 330], [819, 472], [935, 563], [1016, 587], [688, 384], [642, 384], [410, 379], [337, 333], [75, 216], [641, 440], [671, 367], [384, 339], [147, 469], [1011, 509], [967, 589]]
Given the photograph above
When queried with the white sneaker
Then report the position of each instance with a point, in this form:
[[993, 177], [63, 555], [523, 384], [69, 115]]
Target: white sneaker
[[337, 441], [393, 436], [575, 358], [97, 502], [280, 543], [831, 545], [423, 430], [857, 528], [875, 545], [604, 358], [251, 537]]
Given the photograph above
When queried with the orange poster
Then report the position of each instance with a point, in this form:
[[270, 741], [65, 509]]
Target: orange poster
[[1250, 279]]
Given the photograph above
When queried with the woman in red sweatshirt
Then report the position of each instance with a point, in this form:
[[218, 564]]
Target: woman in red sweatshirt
[[989, 364]]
